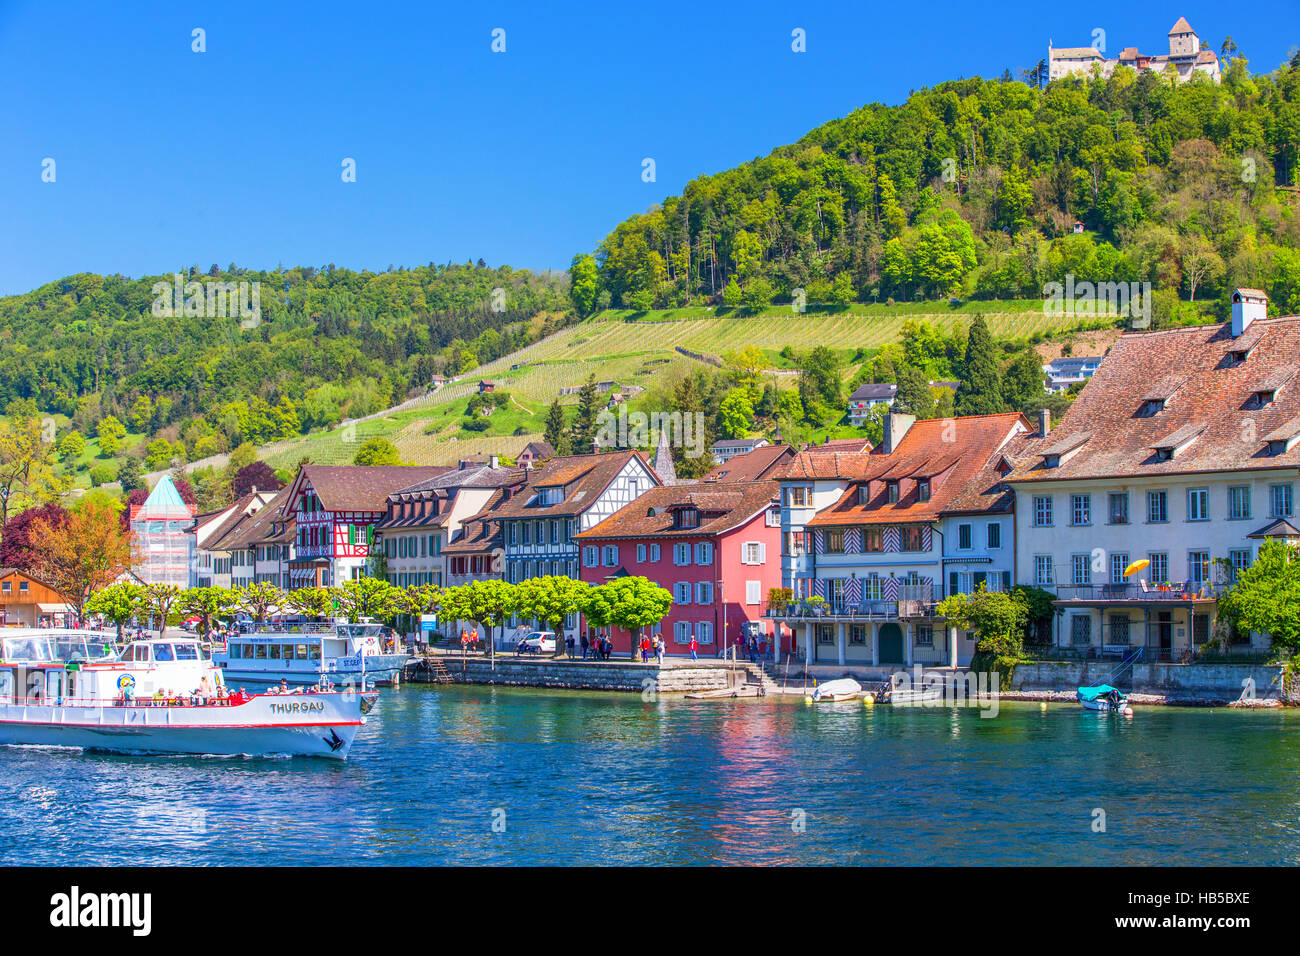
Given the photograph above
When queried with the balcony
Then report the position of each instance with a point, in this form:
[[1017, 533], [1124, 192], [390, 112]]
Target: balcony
[[1185, 592], [914, 600]]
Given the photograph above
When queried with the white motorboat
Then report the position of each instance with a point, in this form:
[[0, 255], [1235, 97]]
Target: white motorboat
[[302, 654], [910, 695], [60, 689], [833, 691]]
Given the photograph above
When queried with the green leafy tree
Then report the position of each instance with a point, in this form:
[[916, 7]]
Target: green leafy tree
[[259, 598], [366, 597], [998, 620], [1022, 384], [310, 602], [584, 284], [913, 396], [209, 604], [635, 603], [377, 451], [736, 413], [551, 599], [1265, 595], [158, 601], [119, 603]]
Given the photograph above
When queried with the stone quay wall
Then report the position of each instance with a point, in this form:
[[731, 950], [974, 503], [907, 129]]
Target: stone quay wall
[[625, 677]]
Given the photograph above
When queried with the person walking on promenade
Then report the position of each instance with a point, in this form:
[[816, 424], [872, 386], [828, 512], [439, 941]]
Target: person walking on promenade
[[659, 648], [645, 650], [695, 649], [568, 646]]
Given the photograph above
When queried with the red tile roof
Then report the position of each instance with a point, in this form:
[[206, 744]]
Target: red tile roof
[[364, 487], [956, 455], [582, 477], [752, 465], [722, 505], [1214, 394]]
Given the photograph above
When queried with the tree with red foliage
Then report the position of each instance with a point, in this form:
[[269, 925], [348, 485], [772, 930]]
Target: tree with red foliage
[[184, 489], [136, 497], [16, 546], [257, 475]]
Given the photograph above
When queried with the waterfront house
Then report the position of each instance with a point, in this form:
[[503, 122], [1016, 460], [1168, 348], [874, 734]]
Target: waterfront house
[[541, 519], [260, 546], [875, 558], [422, 519], [161, 542], [27, 601], [221, 561], [713, 545], [476, 552], [1182, 450], [335, 509]]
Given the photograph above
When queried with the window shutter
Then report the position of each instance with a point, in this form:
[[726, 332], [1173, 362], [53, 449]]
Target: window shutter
[[952, 583], [762, 552]]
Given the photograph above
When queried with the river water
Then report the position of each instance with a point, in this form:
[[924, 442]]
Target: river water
[[464, 774]]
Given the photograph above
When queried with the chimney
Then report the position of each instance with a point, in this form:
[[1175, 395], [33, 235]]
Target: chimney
[[896, 426], [494, 462], [1247, 306], [1044, 421]]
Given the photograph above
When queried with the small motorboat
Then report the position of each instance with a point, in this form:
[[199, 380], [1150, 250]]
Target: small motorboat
[[1103, 697], [833, 691], [912, 695]]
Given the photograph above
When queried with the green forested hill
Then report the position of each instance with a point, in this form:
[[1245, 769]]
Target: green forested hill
[[331, 344], [973, 189]]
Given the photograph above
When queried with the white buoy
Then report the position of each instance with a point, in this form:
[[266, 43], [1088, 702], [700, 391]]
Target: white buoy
[[1128, 711]]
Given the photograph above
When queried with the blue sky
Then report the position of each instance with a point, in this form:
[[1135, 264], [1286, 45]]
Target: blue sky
[[165, 157]]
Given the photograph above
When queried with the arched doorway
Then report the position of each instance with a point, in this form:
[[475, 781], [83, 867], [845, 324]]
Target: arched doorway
[[891, 644]]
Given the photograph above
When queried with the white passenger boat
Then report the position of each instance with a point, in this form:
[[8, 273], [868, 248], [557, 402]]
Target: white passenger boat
[[303, 654], [61, 689], [846, 688]]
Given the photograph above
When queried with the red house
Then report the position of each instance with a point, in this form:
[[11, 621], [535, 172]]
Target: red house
[[715, 546]]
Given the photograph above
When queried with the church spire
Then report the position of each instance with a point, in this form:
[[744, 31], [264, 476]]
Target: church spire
[[663, 463]]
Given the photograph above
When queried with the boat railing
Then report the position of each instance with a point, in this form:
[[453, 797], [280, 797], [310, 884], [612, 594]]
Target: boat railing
[[306, 627]]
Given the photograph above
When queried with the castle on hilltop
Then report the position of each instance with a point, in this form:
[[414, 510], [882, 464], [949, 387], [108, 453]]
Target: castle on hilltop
[[1185, 57]]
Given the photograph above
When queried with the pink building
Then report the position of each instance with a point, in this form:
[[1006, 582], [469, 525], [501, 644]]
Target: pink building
[[714, 545]]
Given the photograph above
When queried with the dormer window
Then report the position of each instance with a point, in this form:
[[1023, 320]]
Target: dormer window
[[550, 496], [1262, 397], [1152, 407], [923, 489], [1064, 449], [1171, 446], [891, 490], [864, 494], [688, 518], [1282, 440]]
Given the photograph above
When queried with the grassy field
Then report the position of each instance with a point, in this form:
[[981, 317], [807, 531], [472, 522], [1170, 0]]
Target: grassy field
[[635, 348]]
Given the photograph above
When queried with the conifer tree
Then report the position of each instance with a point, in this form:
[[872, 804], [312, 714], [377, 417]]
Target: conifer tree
[[980, 391]]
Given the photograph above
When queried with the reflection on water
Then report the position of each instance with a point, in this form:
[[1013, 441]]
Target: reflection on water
[[590, 778]]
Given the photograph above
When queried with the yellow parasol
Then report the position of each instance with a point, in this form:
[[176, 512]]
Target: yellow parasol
[[1135, 567]]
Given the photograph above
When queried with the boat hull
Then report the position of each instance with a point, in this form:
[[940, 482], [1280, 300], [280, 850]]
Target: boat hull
[[317, 725], [1104, 705]]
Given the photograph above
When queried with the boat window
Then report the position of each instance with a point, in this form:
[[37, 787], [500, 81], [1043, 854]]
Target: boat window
[[163, 652], [313, 652], [248, 652], [302, 652], [275, 652], [6, 685], [260, 651], [187, 652], [128, 653], [142, 652]]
